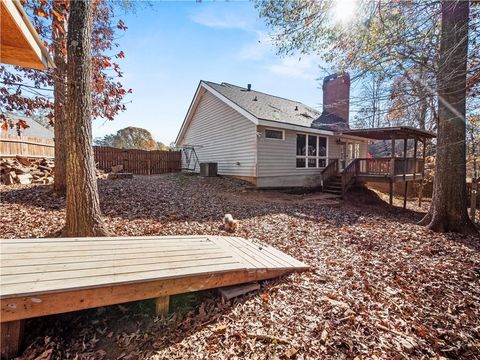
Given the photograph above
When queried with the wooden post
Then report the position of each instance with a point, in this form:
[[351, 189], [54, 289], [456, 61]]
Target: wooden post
[[161, 305], [405, 173], [420, 193], [415, 146], [392, 171], [11, 338], [390, 188]]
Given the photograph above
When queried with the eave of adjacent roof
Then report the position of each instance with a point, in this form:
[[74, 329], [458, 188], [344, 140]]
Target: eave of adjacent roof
[[386, 133], [34, 55]]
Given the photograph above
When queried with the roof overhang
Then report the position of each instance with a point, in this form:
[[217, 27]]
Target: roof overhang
[[295, 127], [388, 133], [19, 43]]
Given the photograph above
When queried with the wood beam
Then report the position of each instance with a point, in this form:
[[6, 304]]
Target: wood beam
[[11, 338], [24, 307]]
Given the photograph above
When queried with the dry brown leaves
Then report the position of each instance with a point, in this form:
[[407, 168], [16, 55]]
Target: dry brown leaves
[[380, 286]]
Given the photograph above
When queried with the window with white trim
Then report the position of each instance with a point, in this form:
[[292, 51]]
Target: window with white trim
[[274, 134], [311, 151]]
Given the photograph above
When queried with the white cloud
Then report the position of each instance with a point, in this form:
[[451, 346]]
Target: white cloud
[[223, 19], [305, 67], [260, 49]]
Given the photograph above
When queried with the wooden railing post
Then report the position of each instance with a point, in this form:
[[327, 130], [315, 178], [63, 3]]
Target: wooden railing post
[[392, 167]]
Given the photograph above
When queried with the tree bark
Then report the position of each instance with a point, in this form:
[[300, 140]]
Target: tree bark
[[59, 92], [83, 216], [449, 204]]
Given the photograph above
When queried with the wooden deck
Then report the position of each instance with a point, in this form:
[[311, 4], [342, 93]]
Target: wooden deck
[[49, 276]]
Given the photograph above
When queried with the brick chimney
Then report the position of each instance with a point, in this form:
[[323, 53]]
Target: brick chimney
[[336, 102]]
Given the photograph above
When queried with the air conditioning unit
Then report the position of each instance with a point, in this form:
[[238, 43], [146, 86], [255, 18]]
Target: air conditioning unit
[[208, 169]]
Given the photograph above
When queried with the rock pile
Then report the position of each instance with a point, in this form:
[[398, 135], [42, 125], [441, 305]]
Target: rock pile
[[21, 170]]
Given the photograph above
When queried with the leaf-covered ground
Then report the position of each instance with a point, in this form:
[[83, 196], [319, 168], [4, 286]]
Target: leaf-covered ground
[[380, 286]]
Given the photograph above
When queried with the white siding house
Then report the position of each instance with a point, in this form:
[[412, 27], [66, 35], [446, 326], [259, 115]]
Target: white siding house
[[262, 138], [222, 135]]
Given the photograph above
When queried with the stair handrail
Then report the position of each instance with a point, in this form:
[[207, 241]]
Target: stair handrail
[[330, 170], [348, 175]]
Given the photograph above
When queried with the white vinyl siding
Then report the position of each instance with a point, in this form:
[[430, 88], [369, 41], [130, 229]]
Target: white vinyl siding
[[221, 134], [278, 158]]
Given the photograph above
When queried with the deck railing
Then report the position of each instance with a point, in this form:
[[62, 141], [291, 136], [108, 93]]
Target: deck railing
[[389, 166], [408, 166], [330, 170], [377, 166], [348, 175]]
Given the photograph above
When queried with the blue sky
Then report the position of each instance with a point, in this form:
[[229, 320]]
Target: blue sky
[[171, 46]]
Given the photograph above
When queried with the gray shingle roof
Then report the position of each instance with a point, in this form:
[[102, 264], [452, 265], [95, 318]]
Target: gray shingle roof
[[35, 129], [267, 107]]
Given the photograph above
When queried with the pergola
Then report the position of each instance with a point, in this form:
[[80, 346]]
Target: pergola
[[393, 169]]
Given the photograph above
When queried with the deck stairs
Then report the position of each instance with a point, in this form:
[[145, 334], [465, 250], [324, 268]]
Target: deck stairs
[[336, 181], [333, 185]]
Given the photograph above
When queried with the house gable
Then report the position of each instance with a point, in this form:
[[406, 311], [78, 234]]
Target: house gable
[[201, 89], [220, 134]]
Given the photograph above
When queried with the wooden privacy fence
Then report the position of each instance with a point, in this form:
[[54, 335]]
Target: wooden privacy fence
[[140, 162], [12, 145]]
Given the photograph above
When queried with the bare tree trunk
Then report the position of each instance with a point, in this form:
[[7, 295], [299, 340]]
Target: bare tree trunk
[[449, 204], [59, 92], [83, 208]]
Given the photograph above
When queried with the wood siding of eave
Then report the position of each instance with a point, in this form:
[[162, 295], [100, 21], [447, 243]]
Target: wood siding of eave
[[278, 157], [220, 134]]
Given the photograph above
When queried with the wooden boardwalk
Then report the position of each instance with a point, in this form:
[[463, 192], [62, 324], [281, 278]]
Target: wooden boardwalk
[[49, 276]]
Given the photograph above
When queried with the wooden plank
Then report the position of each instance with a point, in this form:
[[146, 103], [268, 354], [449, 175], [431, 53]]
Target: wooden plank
[[226, 246], [104, 242], [117, 271], [259, 251], [33, 269], [24, 248], [11, 337], [57, 254], [273, 253], [37, 241], [251, 251], [19, 263], [26, 306], [230, 292], [287, 259]]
